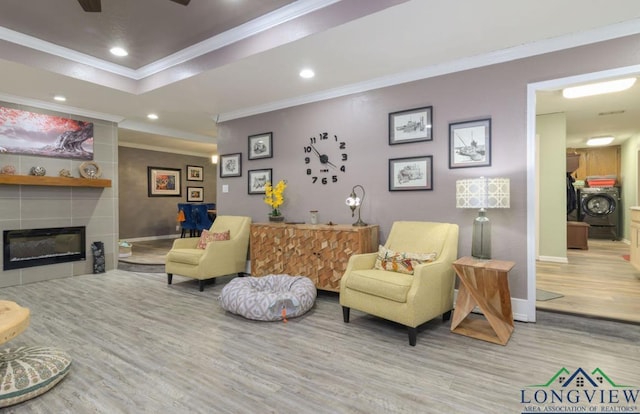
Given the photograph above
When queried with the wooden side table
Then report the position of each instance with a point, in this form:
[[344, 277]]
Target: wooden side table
[[484, 283]]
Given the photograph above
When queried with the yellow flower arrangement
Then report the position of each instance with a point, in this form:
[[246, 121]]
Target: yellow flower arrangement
[[274, 196]]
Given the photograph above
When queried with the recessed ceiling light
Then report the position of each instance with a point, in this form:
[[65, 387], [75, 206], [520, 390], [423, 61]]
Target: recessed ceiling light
[[152, 116], [599, 141], [598, 88], [118, 51], [307, 74], [59, 98]]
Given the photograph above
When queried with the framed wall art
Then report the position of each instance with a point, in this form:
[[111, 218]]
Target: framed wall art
[[258, 179], [164, 182], [470, 144], [195, 194], [231, 165], [261, 146], [411, 174], [31, 133], [195, 173], [412, 125]]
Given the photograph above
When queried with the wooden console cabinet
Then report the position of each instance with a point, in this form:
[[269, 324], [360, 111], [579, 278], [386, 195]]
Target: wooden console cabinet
[[320, 251]]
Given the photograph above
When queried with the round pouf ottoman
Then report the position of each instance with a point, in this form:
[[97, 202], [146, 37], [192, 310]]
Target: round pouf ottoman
[[264, 298], [29, 371]]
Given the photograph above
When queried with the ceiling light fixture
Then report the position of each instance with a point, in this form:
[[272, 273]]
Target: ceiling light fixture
[[118, 51], [307, 73], [598, 88], [152, 116], [599, 141], [59, 98]]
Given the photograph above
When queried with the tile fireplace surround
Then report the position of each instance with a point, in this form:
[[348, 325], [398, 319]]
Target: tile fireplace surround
[[36, 207]]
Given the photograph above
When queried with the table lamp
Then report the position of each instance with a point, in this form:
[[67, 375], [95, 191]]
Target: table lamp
[[482, 193], [354, 202]]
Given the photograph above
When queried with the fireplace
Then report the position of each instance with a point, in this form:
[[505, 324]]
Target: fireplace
[[38, 247]]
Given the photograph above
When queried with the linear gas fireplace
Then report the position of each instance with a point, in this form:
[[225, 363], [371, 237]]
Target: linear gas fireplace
[[38, 247]]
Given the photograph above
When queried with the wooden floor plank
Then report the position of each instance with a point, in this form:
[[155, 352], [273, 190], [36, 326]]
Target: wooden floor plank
[[139, 345], [597, 282]]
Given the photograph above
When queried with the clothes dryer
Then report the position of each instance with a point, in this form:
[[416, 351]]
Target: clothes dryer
[[600, 207]]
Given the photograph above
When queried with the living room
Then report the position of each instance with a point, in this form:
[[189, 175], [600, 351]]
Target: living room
[[500, 91]]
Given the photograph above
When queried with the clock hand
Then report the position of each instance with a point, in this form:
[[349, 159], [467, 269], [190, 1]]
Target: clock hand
[[315, 150], [331, 164], [324, 159]]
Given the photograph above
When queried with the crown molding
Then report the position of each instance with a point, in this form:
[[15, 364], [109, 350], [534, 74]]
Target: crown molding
[[166, 132], [60, 108], [244, 31], [163, 149], [572, 40], [258, 25]]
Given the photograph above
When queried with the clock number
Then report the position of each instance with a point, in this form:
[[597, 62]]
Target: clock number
[[342, 168], [307, 149], [324, 135], [308, 171], [334, 178], [313, 140], [324, 180], [314, 179], [307, 160], [344, 157], [343, 145]]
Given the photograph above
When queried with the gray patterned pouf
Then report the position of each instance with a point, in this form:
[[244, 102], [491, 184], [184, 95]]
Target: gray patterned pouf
[[29, 371], [263, 298]]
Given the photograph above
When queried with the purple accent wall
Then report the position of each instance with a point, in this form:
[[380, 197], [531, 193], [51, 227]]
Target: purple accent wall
[[497, 91]]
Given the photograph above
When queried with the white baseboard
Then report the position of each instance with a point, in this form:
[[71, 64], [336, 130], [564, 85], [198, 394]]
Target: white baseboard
[[553, 259], [167, 236]]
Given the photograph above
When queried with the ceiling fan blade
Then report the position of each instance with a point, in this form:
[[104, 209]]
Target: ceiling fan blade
[[91, 5], [183, 2]]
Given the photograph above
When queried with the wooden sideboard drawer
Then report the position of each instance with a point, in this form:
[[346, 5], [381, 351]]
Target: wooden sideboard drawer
[[320, 252]]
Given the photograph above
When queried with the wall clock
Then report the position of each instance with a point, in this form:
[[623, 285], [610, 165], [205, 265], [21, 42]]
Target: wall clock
[[325, 157]]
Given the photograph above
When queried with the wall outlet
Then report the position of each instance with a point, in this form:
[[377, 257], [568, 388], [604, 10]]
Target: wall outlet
[[225, 188], [177, 227]]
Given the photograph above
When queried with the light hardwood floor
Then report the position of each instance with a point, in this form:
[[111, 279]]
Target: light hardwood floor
[[597, 282], [141, 346]]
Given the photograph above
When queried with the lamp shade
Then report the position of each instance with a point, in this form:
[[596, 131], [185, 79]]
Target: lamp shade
[[482, 193]]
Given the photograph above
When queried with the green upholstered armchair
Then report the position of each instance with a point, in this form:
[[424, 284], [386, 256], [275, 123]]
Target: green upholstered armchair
[[219, 258], [408, 299]]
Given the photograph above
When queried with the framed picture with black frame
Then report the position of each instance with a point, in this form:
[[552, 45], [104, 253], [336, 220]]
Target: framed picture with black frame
[[164, 182], [411, 173], [260, 146], [411, 125], [231, 165], [195, 194], [257, 180], [195, 173], [470, 144]]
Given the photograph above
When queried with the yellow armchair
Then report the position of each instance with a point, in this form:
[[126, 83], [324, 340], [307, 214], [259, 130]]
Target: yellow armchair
[[408, 299], [219, 258]]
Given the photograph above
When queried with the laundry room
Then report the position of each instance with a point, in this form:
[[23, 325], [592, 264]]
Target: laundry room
[[594, 209]]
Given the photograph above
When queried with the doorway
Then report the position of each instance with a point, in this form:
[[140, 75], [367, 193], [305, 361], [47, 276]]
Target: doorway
[[598, 251]]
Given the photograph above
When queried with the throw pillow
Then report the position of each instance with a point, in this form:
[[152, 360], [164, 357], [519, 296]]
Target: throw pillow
[[401, 262], [209, 236]]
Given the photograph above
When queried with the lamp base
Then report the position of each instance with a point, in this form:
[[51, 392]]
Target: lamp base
[[481, 241]]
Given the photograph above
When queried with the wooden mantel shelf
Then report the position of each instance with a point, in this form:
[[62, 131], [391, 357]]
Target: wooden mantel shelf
[[53, 181]]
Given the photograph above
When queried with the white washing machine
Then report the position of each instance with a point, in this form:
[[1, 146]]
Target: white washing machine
[[600, 207]]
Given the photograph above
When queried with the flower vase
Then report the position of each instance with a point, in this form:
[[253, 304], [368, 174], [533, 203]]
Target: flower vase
[[276, 219]]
